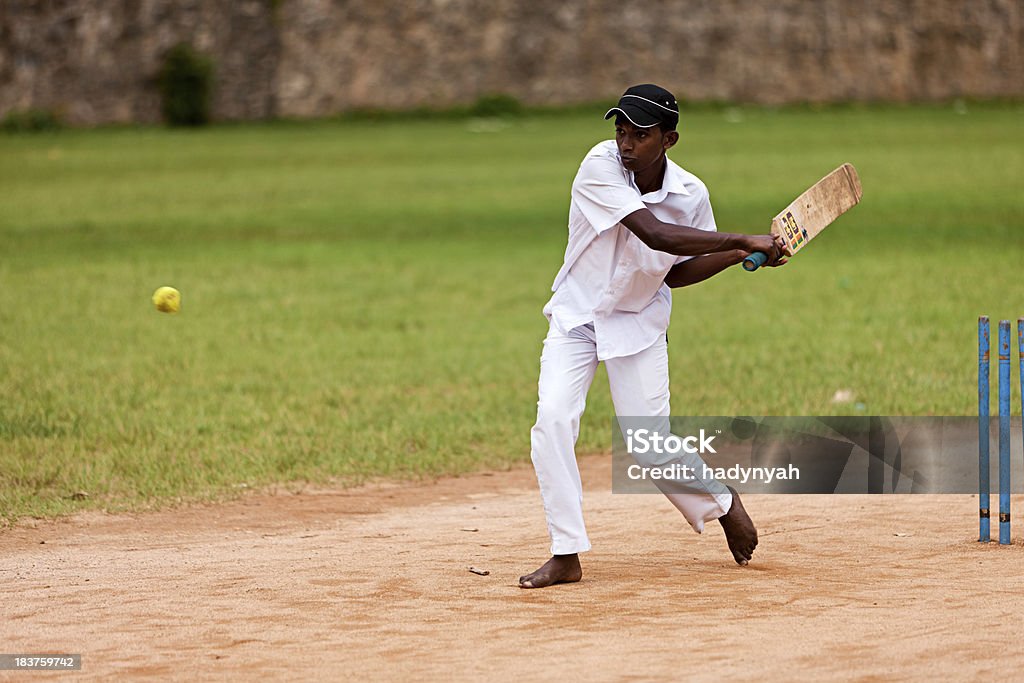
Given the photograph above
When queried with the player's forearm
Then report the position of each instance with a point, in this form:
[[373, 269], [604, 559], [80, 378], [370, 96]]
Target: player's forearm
[[682, 240], [702, 267]]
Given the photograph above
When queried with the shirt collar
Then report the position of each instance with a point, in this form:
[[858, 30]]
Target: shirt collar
[[672, 182]]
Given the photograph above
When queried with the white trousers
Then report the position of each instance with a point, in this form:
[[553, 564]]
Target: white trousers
[[639, 387]]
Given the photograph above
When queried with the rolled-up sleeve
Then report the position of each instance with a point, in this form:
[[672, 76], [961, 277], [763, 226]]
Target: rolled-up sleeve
[[603, 193]]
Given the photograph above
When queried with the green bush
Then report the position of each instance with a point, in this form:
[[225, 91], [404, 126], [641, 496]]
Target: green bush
[[186, 86], [496, 105], [31, 121]]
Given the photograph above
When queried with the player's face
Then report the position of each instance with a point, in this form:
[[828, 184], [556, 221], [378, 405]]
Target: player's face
[[641, 148]]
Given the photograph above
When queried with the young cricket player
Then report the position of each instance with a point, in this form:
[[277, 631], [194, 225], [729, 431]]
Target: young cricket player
[[638, 225]]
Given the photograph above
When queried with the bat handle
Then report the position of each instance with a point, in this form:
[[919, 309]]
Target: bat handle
[[755, 261]]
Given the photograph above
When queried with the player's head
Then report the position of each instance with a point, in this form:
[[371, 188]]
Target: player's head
[[646, 106], [645, 123]]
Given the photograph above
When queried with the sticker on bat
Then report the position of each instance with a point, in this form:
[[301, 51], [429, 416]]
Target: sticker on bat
[[789, 230], [798, 233]]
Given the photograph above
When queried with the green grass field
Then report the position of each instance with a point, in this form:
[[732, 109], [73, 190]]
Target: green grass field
[[363, 299]]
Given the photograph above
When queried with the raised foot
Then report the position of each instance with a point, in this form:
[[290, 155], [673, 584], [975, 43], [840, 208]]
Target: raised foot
[[559, 569], [739, 530]]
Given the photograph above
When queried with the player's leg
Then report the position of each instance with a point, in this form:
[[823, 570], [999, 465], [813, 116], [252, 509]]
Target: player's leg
[[567, 368], [640, 388]]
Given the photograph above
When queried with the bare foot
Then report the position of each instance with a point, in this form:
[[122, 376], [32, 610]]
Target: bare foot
[[739, 530], [559, 569]]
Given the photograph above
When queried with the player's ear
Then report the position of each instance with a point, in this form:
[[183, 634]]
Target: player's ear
[[670, 139]]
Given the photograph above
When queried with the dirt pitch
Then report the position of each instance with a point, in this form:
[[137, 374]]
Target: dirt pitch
[[374, 584]]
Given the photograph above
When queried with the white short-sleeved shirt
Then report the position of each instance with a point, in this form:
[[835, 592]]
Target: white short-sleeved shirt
[[609, 277]]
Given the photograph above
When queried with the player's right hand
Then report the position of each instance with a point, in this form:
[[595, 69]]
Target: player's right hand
[[767, 244], [780, 259]]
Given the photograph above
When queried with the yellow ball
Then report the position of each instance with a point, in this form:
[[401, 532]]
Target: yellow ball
[[167, 300]]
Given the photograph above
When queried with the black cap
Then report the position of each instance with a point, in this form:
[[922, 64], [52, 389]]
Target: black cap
[[647, 105]]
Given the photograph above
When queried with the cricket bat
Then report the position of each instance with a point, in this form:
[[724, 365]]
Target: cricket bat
[[812, 212]]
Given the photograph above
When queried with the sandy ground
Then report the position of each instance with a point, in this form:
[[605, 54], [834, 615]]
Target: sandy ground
[[373, 583]]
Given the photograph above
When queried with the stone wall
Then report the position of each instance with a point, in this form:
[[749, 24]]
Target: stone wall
[[94, 61]]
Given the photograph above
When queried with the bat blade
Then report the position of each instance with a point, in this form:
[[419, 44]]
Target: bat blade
[[813, 211]]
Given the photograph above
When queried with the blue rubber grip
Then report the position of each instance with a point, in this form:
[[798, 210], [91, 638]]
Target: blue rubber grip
[[755, 261]]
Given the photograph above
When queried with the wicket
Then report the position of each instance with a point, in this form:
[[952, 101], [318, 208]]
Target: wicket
[[984, 533]]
